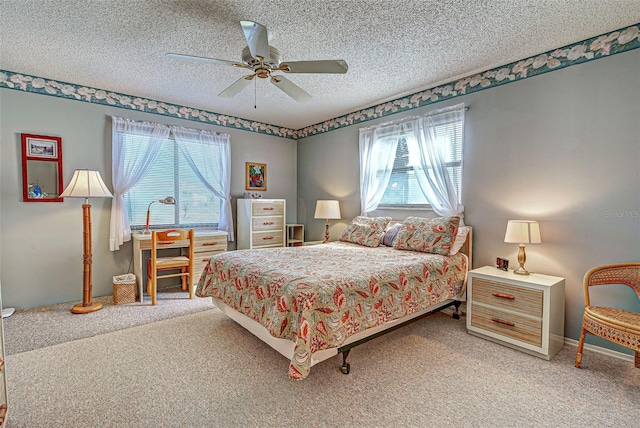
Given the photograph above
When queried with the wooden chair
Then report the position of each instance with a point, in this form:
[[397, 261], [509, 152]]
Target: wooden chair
[[616, 325], [184, 264]]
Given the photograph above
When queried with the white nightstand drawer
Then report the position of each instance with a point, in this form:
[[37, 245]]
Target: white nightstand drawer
[[508, 324], [501, 295]]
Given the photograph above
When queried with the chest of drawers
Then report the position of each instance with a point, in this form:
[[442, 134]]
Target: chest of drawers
[[261, 223], [523, 312]]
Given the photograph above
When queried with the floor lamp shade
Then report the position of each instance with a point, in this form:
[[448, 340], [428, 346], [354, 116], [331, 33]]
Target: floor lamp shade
[[522, 232], [86, 184], [327, 209]]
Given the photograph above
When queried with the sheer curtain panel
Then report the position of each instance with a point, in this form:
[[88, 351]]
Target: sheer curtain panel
[[377, 151], [209, 156], [128, 170], [433, 133]]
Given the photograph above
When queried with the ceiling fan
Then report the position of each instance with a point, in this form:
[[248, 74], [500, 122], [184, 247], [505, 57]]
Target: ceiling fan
[[264, 60]]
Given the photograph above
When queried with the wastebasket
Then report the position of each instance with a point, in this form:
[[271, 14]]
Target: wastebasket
[[124, 288]]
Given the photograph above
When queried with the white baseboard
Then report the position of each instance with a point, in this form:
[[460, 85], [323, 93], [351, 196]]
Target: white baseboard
[[600, 350]]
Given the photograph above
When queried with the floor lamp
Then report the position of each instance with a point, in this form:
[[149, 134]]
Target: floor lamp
[[86, 184]]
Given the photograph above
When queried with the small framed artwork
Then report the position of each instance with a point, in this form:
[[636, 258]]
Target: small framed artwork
[[39, 146], [256, 176], [502, 264]]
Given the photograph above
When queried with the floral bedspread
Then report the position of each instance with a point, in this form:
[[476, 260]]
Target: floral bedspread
[[319, 295]]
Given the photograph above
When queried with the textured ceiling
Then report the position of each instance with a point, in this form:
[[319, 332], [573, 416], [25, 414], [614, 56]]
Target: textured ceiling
[[393, 47]]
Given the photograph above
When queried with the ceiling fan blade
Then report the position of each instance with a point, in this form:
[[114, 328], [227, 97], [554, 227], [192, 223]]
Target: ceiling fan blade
[[322, 66], [202, 59], [290, 88], [236, 87], [257, 38]]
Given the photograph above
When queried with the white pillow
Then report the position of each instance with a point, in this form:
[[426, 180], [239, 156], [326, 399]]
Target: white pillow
[[461, 238]]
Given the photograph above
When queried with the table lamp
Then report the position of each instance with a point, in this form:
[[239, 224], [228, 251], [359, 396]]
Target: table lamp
[[86, 184], [522, 232], [169, 200], [327, 210]]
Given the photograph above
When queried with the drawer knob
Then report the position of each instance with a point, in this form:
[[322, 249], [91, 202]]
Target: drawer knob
[[166, 242], [504, 296], [207, 244], [267, 238], [267, 223], [268, 208], [205, 260], [503, 322]]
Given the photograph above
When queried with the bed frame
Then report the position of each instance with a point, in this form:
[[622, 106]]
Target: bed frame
[[286, 346]]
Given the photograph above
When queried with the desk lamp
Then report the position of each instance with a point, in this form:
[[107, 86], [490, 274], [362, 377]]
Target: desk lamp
[[169, 200]]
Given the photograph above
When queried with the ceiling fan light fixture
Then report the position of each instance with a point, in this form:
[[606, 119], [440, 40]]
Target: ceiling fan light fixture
[[263, 59]]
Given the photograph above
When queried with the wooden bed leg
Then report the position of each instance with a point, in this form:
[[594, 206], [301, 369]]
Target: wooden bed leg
[[456, 313], [346, 367]]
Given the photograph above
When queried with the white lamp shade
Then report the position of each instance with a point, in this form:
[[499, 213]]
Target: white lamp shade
[[522, 232], [86, 184], [327, 209]]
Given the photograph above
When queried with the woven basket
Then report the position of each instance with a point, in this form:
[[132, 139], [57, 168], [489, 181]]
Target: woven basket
[[124, 293]]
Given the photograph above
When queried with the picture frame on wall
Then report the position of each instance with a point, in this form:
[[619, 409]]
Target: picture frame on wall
[[39, 146], [256, 176]]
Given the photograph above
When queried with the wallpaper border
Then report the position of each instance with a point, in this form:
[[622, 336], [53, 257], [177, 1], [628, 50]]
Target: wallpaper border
[[597, 47]]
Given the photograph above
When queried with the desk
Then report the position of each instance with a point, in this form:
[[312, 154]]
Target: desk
[[207, 243]]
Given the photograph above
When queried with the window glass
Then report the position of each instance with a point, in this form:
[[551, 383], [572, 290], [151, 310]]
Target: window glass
[[170, 175]]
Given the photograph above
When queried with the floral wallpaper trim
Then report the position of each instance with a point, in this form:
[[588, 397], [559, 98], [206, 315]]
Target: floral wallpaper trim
[[577, 53], [587, 50], [71, 91]]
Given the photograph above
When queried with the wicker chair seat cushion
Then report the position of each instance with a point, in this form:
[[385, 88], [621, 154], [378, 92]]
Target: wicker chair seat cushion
[[616, 325]]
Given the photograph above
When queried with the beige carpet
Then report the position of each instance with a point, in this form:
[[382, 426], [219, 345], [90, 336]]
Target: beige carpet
[[35, 328], [203, 370]]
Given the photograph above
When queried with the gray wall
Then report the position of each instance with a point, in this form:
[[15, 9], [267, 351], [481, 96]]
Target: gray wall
[[41, 243], [562, 148]]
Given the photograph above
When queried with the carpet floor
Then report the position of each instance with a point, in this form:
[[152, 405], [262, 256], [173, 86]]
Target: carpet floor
[[204, 370]]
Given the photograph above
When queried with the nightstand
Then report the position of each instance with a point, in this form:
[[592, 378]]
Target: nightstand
[[525, 312]]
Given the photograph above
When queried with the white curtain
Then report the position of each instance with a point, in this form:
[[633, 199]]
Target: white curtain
[[377, 153], [432, 176], [209, 156], [128, 171]]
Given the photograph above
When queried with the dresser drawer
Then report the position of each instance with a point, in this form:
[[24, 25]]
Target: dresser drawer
[[267, 223], [210, 244], [507, 324], [275, 208], [524, 300], [271, 239]]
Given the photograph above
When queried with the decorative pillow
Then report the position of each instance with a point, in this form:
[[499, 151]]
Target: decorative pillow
[[427, 235], [390, 235], [365, 231], [461, 238]]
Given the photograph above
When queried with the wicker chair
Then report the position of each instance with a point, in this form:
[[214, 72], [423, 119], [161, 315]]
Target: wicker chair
[[616, 325]]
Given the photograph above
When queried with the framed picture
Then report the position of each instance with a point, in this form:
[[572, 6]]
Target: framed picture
[[256, 176], [39, 146]]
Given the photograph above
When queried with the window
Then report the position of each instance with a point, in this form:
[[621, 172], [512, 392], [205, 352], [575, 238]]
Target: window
[[403, 190], [170, 175]]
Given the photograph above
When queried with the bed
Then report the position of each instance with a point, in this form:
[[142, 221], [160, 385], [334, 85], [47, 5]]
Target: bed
[[311, 302]]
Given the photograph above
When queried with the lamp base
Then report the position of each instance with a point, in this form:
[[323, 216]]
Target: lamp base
[[81, 309], [521, 271]]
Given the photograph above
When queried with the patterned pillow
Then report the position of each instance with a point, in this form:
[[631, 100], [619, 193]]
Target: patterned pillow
[[365, 231], [427, 235], [389, 237]]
